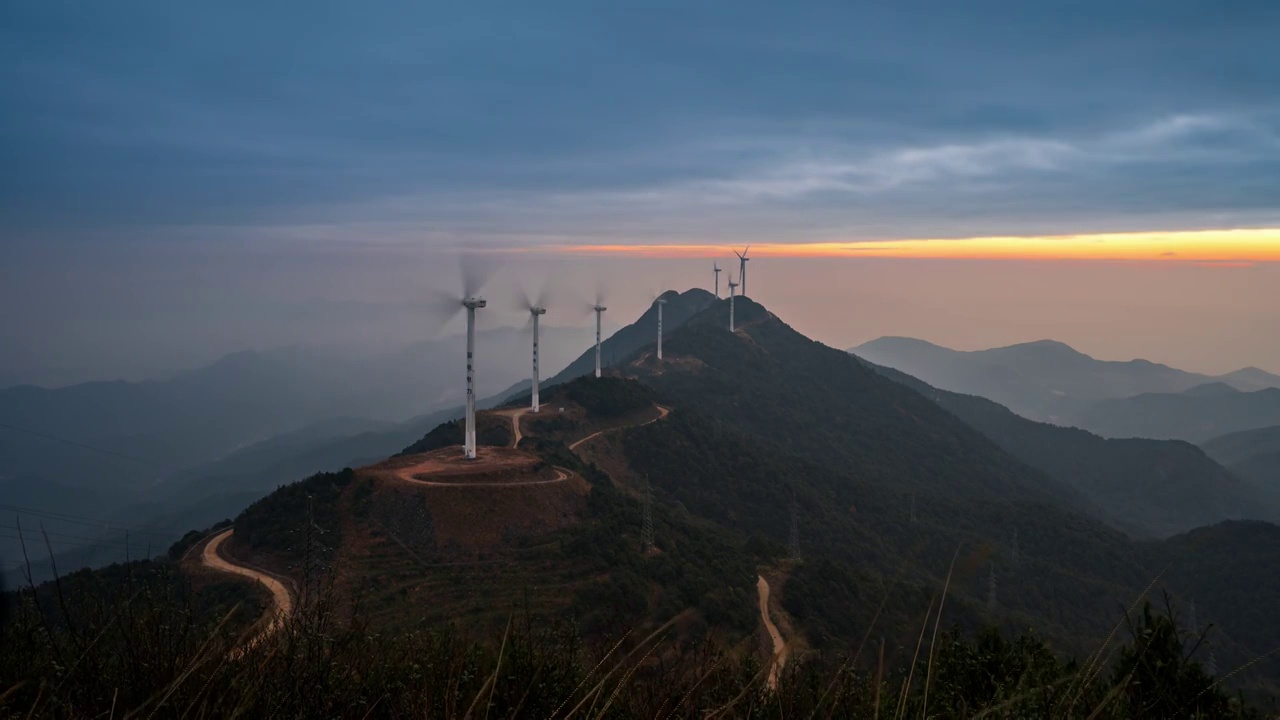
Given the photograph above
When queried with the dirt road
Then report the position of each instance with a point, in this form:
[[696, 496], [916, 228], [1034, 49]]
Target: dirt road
[[281, 599], [662, 412], [515, 415], [407, 475], [779, 660]]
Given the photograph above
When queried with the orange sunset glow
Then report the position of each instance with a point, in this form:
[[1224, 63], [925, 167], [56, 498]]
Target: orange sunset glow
[[1200, 246]]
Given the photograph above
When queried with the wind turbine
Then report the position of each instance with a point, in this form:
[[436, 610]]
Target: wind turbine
[[471, 303], [598, 308], [732, 286], [535, 312], [715, 267], [660, 302], [536, 306], [445, 307], [742, 268]]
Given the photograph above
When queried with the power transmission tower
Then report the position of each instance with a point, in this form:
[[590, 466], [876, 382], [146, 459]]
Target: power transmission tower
[[793, 544], [991, 590], [646, 527]]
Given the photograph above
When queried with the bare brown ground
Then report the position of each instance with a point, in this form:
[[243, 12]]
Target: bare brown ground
[[493, 467], [482, 504]]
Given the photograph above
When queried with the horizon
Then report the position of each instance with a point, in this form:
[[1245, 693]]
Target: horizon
[[453, 331], [968, 176]]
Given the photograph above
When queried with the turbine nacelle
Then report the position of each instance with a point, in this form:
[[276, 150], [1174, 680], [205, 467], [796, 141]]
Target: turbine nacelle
[[537, 311], [474, 303], [599, 308]]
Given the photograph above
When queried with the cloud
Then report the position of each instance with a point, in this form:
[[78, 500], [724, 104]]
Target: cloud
[[460, 125]]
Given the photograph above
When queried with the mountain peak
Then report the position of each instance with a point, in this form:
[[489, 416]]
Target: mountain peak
[[895, 343], [1211, 389], [1042, 350]]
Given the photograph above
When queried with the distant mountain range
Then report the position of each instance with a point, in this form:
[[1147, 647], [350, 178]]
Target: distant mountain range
[[1052, 382], [1199, 414], [1151, 488]]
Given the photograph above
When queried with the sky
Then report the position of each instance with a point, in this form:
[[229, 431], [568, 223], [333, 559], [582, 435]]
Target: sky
[[186, 180]]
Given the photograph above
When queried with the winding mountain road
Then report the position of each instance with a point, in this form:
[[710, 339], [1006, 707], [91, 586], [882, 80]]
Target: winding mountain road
[[779, 659], [282, 600], [662, 412]]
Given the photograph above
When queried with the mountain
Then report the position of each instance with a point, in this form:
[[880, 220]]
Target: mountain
[[1043, 380], [765, 453], [1250, 379], [679, 308], [1253, 454], [1149, 488], [1195, 415]]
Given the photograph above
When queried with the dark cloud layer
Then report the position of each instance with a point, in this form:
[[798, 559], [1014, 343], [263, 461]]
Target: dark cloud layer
[[583, 118]]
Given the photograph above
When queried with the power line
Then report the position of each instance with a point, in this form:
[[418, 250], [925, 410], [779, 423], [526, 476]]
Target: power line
[[91, 522], [77, 443], [78, 543], [33, 533]]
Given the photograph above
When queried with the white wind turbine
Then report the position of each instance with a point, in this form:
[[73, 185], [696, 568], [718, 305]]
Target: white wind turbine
[[742, 268], [471, 303], [473, 276], [536, 307], [535, 312], [715, 267]]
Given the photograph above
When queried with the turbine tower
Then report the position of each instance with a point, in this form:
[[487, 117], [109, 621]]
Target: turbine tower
[[715, 267], [732, 285], [472, 304], [535, 312], [660, 302], [598, 308], [742, 268]]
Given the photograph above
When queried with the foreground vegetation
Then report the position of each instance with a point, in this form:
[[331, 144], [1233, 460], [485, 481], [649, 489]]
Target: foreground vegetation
[[142, 644]]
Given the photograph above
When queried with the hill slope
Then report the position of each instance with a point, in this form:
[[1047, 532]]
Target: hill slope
[[1253, 454], [1153, 488], [1194, 415]]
